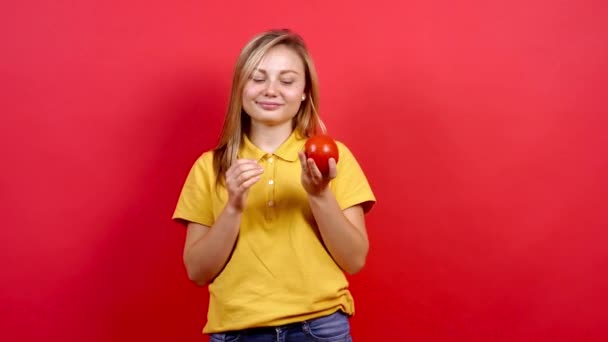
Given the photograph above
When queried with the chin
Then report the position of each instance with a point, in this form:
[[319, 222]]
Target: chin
[[267, 121]]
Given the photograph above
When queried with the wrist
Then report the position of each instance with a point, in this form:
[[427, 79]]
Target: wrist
[[232, 210], [320, 195]]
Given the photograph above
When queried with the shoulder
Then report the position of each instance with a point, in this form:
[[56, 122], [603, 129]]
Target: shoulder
[[344, 152], [346, 157], [205, 159], [203, 166]]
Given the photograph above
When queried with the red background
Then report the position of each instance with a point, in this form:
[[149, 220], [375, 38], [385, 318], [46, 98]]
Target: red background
[[480, 124]]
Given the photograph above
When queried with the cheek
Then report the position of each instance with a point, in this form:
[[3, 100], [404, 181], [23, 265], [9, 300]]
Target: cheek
[[294, 95], [248, 93], [251, 91]]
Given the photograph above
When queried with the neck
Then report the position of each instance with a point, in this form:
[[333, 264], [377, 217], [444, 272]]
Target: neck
[[269, 138]]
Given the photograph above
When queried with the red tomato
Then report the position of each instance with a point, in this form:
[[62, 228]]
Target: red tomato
[[320, 148]]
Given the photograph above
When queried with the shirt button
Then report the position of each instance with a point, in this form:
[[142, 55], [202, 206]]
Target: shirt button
[[271, 182], [271, 203], [270, 160]]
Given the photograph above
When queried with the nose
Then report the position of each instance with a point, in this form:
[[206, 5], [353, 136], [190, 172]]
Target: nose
[[270, 89]]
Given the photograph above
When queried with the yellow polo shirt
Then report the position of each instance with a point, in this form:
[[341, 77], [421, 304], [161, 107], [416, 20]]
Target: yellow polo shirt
[[280, 271]]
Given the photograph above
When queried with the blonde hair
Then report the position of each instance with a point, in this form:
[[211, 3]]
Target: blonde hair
[[307, 121]]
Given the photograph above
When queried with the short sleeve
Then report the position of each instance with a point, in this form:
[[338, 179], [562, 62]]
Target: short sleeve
[[195, 201], [351, 186]]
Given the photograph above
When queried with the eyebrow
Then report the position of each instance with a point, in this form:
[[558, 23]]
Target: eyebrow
[[282, 71]]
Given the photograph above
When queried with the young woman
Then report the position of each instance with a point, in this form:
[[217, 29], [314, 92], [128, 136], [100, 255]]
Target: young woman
[[269, 234]]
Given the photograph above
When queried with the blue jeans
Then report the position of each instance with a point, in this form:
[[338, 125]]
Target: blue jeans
[[332, 328]]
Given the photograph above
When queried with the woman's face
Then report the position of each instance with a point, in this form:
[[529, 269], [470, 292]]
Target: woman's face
[[273, 94]]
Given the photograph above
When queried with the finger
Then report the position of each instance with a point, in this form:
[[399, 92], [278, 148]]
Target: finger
[[234, 166], [241, 166], [249, 183], [247, 168], [302, 157], [314, 170], [240, 163], [305, 165], [333, 168], [241, 173], [245, 161], [246, 175]]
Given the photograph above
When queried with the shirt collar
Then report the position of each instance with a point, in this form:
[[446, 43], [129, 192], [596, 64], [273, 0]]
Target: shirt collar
[[288, 150]]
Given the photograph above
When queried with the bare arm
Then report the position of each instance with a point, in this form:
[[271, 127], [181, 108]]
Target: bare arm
[[343, 231], [207, 249]]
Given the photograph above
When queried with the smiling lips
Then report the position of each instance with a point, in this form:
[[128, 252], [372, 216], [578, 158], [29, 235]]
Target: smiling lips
[[269, 105]]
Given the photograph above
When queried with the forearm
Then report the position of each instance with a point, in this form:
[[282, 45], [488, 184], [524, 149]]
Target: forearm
[[346, 244], [207, 256]]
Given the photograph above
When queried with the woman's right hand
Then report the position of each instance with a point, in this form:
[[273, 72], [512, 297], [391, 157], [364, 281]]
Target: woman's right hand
[[239, 178]]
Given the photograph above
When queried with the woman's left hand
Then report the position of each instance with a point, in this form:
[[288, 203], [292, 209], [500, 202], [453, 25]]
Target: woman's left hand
[[312, 180]]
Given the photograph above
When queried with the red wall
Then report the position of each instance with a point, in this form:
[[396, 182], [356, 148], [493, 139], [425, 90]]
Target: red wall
[[481, 126]]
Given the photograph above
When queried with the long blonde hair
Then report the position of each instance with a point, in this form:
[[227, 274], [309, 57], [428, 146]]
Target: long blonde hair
[[236, 122]]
